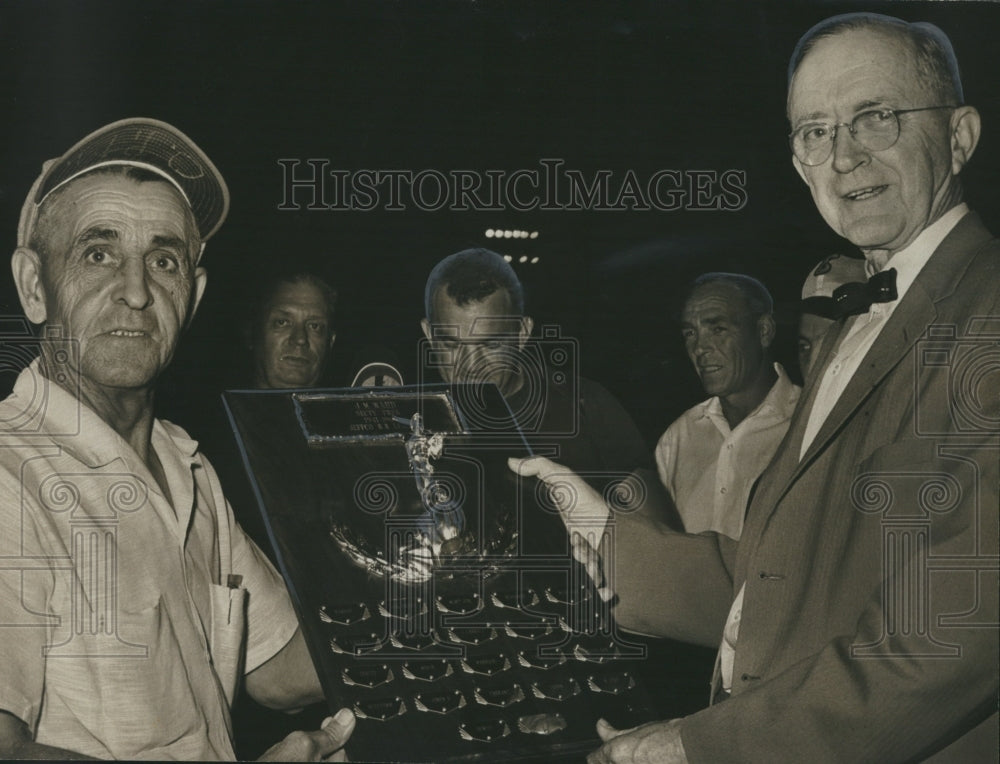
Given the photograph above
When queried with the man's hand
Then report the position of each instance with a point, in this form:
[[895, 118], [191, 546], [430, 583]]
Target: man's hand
[[582, 509], [325, 744], [653, 743]]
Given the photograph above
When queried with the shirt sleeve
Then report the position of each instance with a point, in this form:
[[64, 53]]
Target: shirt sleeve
[[271, 620]]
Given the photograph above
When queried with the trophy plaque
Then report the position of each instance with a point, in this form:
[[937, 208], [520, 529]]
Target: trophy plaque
[[434, 587]]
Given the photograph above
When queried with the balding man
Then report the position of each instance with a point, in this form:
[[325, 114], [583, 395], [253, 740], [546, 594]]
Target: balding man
[[858, 613]]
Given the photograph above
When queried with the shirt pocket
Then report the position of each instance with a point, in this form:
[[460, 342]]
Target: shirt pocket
[[126, 685]]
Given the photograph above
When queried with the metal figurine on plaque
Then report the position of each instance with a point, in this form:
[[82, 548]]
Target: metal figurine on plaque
[[436, 592]]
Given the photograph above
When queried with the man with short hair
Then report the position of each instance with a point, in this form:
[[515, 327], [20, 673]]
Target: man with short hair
[[475, 318], [133, 605], [292, 332], [709, 458], [858, 613]]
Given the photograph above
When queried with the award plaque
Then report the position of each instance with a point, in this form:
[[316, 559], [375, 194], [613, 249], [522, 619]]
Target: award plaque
[[434, 587]]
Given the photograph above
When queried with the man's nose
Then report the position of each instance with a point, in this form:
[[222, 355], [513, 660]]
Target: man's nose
[[700, 344], [133, 287], [299, 335], [472, 357], [848, 153]]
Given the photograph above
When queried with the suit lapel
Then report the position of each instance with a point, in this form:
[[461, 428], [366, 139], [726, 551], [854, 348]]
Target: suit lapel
[[778, 475], [901, 331]]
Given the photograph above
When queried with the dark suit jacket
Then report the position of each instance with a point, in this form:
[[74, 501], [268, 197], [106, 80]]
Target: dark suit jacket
[[869, 627]]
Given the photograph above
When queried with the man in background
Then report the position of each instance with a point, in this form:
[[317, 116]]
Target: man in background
[[292, 332], [475, 320], [823, 302], [709, 458]]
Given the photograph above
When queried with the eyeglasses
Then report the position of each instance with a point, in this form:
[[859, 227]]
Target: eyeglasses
[[875, 130]]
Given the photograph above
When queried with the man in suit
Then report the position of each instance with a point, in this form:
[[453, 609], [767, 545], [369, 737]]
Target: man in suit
[[858, 613]]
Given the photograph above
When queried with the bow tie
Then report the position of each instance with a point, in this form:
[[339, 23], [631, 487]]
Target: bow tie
[[857, 297]]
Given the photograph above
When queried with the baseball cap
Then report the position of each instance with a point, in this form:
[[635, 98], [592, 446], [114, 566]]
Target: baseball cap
[[831, 272], [137, 142]]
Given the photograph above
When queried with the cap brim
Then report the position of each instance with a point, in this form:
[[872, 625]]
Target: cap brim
[[155, 146]]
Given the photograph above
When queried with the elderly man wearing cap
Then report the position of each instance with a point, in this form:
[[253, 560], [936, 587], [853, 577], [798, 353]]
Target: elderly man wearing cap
[[133, 604], [857, 616], [823, 302]]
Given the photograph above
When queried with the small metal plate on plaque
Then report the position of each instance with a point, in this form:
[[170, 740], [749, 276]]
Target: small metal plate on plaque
[[373, 416]]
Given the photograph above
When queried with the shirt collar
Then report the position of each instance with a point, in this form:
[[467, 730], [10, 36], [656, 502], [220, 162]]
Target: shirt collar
[[62, 418], [783, 394], [781, 398], [911, 259]]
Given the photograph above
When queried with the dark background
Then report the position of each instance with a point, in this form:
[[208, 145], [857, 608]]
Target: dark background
[[462, 85], [639, 86]]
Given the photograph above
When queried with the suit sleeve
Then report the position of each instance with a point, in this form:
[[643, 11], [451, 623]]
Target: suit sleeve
[[669, 584]]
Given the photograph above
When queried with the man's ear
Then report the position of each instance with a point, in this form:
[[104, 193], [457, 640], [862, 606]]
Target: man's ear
[[426, 326], [965, 126], [333, 338], [527, 324], [766, 329], [26, 265], [200, 282]]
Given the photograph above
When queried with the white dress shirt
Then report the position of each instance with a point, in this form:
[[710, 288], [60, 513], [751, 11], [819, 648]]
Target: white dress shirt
[[709, 468]]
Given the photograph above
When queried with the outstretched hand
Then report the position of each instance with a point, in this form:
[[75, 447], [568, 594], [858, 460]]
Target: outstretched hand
[[582, 509]]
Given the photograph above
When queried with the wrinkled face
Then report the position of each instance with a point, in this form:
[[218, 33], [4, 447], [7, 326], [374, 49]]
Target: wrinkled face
[[722, 339], [478, 342], [883, 199], [119, 276], [811, 331], [294, 338]]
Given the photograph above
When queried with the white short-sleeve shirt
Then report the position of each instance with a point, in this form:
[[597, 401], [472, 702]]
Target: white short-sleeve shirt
[[106, 586]]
